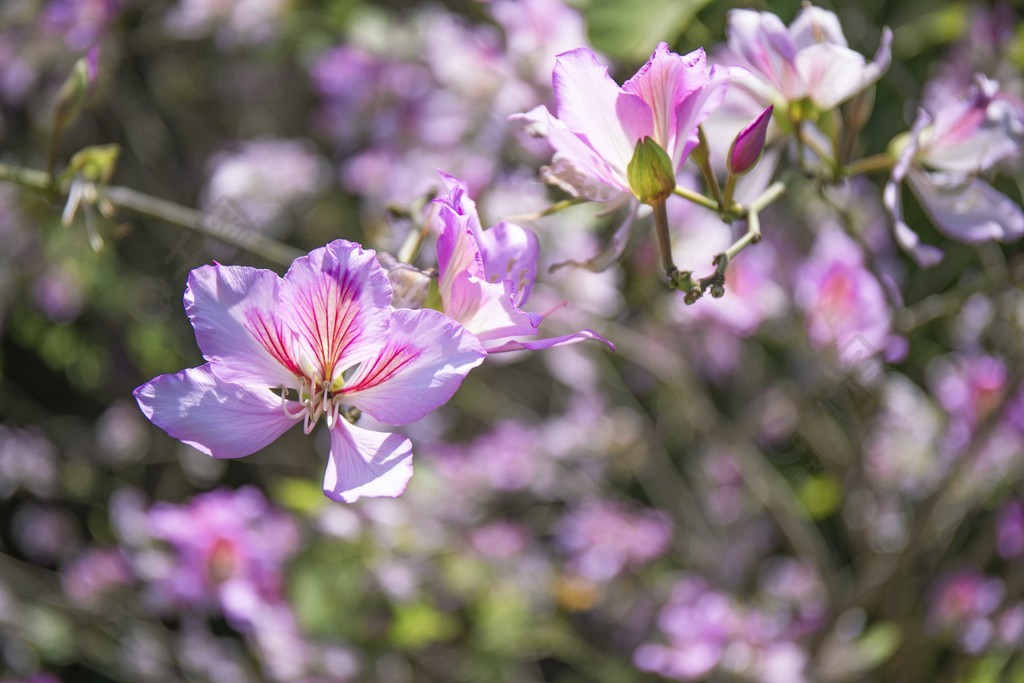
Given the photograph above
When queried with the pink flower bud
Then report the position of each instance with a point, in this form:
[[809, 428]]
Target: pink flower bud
[[747, 147]]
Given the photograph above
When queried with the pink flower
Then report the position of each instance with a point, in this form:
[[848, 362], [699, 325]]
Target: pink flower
[[229, 550], [950, 143], [808, 60], [486, 275], [323, 342], [598, 123]]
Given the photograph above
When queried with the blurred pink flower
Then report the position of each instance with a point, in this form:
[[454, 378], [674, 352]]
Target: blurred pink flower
[[486, 275], [605, 537], [318, 343], [844, 303], [951, 142], [598, 123], [808, 60], [228, 550]]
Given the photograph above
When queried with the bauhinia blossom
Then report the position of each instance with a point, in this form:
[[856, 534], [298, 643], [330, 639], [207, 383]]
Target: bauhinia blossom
[[809, 60], [484, 276], [322, 342], [598, 124], [950, 143]]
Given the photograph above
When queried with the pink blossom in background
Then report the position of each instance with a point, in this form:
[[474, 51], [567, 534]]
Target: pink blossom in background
[[962, 604], [604, 538], [597, 123], [319, 342], [262, 179], [228, 551], [952, 141], [81, 22], [1010, 530], [808, 59], [89, 576], [698, 624], [234, 22], [484, 276], [845, 306]]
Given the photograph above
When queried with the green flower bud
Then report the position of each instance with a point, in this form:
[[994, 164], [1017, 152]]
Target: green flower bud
[[650, 173]]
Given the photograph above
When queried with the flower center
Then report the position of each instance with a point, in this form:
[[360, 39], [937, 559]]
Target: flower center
[[316, 400]]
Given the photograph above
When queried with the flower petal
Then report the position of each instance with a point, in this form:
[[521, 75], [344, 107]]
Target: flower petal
[[510, 252], [833, 74], [550, 342], [232, 309], [816, 25], [696, 107], [664, 82], [966, 208], [220, 419], [366, 463], [594, 108], [925, 255], [764, 44], [337, 300], [421, 364]]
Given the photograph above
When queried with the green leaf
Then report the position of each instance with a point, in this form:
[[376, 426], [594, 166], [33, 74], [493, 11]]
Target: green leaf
[[628, 31]]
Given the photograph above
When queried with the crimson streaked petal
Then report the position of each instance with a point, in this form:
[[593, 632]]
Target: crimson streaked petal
[[365, 463], [418, 369], [232, 309], [218, 418], [337, 301]]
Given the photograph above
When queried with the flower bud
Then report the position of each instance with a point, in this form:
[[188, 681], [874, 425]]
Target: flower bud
[[650, 173], [749, 143], [409, 285]]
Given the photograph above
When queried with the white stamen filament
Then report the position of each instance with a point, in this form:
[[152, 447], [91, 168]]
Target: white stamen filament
[[314, 402]]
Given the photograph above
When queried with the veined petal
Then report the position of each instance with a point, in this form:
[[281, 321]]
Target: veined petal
[[663, 83], [831, 74], [594, 108], [457, 250], [220, 419], [967, 208], [764, 43], [510, 252], [233, 311], [420, 366], [337, 301], [487, 309], [816, 25], [366, 463], [696, 107]]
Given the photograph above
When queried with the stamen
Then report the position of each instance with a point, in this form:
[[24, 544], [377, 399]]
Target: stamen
[[284, 406], [308, 423]]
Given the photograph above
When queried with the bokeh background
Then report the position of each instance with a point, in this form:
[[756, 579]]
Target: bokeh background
[[730, 496]]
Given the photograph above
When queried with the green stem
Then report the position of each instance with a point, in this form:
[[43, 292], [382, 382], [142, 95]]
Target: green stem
[[160, 209], [704, 163], [872, 164], [553, 209], [664, 241], [696, 198]]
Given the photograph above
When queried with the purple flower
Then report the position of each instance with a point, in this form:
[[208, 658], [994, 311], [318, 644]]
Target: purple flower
[[486, 275], [605, 537], [228, 550], [323, 342], [93, 573], [263, 178], [844, 303], [808, 60], [599, 124], [81, 22], [1010, 530], [950, 143], [749, 143], [963, 603], [699, 623]]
